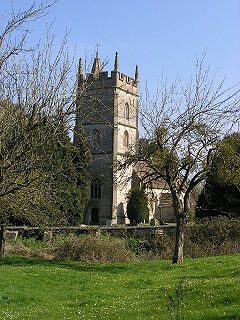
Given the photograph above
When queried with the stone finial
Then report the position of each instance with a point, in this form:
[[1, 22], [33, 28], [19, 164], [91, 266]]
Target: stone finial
[[96, 68], [136, 73], [97, 52], [116, 65], [80, 69]]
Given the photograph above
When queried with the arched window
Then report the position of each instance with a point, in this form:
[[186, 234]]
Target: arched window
[[96, 189], [96, 136], [125, 139], [126, 111]]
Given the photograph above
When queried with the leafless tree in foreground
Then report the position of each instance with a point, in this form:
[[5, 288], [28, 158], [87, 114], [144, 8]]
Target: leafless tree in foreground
[[37, 99], [182, 126], [13, 32]]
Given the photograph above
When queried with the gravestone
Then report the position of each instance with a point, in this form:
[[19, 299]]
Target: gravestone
[[10, 235], [47, 236], [152, 222], [109, 223]]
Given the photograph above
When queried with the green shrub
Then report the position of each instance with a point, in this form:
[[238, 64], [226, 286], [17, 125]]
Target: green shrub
[[137, 207]]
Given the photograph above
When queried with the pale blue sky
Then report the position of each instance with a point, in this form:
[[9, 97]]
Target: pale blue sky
[[154, 34]]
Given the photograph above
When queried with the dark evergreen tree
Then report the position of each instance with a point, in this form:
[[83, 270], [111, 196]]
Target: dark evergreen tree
[[60, 192], [221, 193], [69, 178], [137, 207], [218, 200]]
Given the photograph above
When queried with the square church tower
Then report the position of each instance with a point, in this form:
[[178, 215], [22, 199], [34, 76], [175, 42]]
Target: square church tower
[[107, 111]]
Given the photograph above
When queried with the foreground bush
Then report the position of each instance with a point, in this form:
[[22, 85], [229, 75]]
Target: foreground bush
[[207, 238], [21, 249], [217, 236], [89, 248], [94, 249]]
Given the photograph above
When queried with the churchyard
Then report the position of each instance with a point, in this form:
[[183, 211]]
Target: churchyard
[[123, 278], [84, 149], [206, 288]]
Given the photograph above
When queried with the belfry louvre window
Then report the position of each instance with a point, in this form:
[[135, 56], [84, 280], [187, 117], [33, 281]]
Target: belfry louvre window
[[125, 139], [126, 111], [96, 189]]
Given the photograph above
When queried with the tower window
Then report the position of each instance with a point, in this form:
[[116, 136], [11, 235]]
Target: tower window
[[96, 189], [125, 139], [96, 136], [126, 111]]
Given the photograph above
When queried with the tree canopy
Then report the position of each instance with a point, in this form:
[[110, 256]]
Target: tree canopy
[[221, 192]]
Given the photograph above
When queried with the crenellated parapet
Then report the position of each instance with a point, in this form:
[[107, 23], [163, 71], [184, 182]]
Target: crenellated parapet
[[125, 82], [98, 79]]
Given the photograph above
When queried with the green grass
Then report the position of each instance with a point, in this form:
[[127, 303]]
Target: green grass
[[38, 289]]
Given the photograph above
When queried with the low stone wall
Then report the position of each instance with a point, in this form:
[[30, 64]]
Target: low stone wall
[[12, 233]]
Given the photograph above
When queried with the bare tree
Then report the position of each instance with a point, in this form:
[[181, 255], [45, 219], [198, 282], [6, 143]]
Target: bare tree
[[182, 125], [14, 32], [37, 99]]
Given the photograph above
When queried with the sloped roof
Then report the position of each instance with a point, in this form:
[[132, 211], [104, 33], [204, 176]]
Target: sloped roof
[[147, 176]]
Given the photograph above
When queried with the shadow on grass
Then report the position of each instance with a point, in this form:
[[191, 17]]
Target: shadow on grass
[[18, 261], [233, 316]]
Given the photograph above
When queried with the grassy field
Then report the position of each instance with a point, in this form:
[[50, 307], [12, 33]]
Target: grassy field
[[207, 288]]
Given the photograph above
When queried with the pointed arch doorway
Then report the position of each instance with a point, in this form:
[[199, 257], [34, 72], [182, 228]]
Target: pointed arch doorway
[[94, 216]]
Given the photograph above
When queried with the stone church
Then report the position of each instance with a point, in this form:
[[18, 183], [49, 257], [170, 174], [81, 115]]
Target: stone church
[[107, 110]]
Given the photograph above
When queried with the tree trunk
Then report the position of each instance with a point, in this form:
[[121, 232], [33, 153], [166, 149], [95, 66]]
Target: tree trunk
[[2, 240], [179, 240]]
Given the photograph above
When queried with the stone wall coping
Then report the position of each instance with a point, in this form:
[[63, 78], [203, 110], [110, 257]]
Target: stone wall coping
[[18, 228]]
